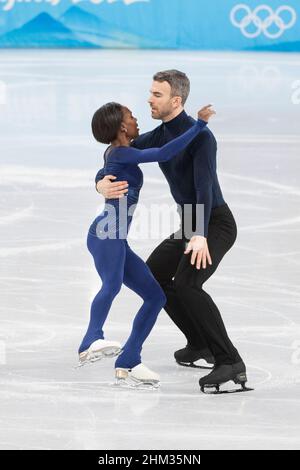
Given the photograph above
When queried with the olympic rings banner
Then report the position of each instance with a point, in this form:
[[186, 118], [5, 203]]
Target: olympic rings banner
[[175, 24]]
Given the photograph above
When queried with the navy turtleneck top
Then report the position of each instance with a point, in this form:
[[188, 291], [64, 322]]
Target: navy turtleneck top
[[192, 173]]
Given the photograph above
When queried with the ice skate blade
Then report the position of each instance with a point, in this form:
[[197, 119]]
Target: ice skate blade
[[95, 356], [136, 384], [193, 366], [206, 389]]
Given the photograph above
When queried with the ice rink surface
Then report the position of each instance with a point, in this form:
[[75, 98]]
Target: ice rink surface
[[48, 163]]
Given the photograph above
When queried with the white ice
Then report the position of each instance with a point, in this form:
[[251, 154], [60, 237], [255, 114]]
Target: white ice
[[48, 162]]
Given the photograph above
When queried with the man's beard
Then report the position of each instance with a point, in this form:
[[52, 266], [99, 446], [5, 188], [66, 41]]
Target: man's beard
[[161, 115]]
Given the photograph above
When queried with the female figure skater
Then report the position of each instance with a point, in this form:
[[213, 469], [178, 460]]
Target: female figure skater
[[115, 261]]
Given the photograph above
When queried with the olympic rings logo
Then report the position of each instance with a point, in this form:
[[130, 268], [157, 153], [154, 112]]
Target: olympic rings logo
[[262, 23]]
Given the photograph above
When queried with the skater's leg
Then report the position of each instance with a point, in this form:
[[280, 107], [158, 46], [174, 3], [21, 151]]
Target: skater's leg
[[189, 284], [138, 277], [163, 263], [109, 258]]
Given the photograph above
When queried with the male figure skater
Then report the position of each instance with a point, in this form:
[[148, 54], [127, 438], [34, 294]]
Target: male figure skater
[[181, 265]]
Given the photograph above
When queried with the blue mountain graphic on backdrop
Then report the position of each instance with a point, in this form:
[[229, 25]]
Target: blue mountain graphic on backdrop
[[99, 32], [74, 28], [42, 31]]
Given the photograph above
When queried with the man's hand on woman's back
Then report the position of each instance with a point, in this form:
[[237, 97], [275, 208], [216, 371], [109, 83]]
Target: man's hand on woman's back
[[110, 189]]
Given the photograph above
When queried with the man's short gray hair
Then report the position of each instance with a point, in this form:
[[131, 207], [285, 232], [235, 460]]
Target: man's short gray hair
[[178, 81]]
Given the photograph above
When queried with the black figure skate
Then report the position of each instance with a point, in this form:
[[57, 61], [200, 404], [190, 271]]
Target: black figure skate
[[222, 374], [188, 356]]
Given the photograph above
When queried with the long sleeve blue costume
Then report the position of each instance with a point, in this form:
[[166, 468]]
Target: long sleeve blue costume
[[115, 262]]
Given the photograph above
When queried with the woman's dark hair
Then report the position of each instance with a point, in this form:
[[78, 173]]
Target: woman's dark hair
[[106, 122]]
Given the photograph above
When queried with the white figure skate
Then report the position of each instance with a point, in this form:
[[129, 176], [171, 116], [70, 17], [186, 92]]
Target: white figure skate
[[139, 377], [98, 350]]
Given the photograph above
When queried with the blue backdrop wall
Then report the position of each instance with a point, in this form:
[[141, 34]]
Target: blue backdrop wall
[[175, 24]]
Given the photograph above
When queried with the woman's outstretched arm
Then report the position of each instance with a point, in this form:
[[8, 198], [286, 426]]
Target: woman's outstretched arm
[[131, 155]]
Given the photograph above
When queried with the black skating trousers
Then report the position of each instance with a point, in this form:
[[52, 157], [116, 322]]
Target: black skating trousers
[[189, 306]]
